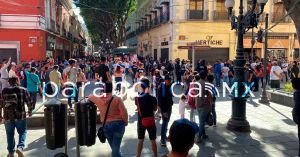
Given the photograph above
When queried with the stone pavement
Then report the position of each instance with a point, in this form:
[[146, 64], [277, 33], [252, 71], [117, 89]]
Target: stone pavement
[[273, 135]]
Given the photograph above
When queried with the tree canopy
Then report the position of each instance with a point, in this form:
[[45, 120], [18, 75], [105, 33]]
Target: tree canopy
[[105, 19], [294, 6]]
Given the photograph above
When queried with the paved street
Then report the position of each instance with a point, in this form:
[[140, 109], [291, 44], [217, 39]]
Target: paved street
[[273, 135]]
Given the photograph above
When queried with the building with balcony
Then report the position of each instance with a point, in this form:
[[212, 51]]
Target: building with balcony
[[39, 29], [163, 27]]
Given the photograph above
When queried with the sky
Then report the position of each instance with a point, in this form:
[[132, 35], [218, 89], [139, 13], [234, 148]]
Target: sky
[[77, 12]]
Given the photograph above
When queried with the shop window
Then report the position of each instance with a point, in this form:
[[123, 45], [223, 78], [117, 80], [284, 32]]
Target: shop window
[[196, 4]]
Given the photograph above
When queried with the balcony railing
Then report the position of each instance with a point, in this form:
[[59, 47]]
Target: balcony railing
[[154, 22], [51, 26], [221, 15], [196, 15]]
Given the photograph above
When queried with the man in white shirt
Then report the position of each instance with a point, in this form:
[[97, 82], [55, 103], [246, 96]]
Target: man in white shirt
[[225, 71], [70, 74], [275, 75]]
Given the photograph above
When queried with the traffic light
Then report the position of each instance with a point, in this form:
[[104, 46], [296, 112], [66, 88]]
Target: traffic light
[[260, 36]]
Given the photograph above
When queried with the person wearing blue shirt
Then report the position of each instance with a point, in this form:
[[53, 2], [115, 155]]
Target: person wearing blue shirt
[[217, 73], [33, 84]]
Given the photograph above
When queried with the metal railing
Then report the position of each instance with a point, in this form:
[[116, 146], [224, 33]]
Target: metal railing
[[195, 15], [221, 15]]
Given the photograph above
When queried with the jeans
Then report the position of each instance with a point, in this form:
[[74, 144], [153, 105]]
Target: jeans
[[33, 96], [267, 79], [214, 114], [299, 138], [164, 126], [286, 76], [10, 126], [202, 118], [114, 132], [226, 79], [192, 115], [118, 81], [71, 95], [218, 79]]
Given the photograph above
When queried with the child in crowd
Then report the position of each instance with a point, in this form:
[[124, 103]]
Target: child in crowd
[[182, 105]]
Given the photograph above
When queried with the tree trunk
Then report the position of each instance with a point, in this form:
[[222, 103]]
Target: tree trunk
[[294, 15]]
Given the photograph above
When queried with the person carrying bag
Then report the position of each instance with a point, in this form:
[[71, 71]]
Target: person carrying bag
[[100, 133]]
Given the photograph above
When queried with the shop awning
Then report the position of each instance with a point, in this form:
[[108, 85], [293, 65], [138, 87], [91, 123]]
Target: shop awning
[[123, 51]]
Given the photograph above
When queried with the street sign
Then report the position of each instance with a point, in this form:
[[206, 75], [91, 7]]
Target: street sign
[[195, 47]]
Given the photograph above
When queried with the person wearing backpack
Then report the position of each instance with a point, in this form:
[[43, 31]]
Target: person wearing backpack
[[15, 98]]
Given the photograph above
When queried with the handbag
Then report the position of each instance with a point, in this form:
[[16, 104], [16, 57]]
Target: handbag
[[100, 132], [146, 121]]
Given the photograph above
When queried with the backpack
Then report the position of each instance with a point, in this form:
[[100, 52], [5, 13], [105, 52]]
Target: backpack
[[11, 110]]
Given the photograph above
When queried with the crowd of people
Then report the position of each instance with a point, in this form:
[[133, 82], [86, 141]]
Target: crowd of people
[[23, 83]]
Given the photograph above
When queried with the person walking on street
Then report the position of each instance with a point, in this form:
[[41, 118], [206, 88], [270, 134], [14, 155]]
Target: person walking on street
[[33, 85], [294, 70], [117, 118], [147, 105], [56, 78], [70, 75], [203, 105], [15, 98], [217, 73], [165, 101], [102, 72]]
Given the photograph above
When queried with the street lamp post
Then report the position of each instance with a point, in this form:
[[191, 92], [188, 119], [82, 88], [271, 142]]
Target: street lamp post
[[241, 23], [264, 98]]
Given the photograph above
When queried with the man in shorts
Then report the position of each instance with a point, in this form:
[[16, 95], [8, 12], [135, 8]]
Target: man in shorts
[[147, 105]]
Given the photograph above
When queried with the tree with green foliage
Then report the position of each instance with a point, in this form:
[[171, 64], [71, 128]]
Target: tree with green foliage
[[105, 19]]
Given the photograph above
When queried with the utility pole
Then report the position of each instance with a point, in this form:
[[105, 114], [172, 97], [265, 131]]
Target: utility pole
[[264, 98]]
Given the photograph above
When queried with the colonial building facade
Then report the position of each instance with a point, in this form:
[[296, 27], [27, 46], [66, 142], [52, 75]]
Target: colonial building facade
[[39, 29], [164, 28]]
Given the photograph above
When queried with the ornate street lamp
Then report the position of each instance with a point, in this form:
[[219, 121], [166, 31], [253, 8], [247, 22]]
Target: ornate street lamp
[[242, 23]]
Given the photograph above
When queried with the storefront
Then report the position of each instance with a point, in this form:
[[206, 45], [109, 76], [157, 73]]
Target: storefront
[[50, 45], [59, 49], [218, 43]]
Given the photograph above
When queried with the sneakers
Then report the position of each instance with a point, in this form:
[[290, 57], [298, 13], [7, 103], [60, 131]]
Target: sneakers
[[163, 144], [19, 151]]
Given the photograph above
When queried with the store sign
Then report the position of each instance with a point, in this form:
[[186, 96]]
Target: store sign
[[165, 43], [208, 41]]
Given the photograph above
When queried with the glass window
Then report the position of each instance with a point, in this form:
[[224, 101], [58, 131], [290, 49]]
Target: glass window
[[196, 4]]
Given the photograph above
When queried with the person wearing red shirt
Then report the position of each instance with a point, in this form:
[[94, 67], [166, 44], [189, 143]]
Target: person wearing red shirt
[[269, 67]]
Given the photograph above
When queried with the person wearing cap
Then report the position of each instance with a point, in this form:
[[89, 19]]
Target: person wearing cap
[[15, 98], [147, 105], [275, 75], [165, 102], [181, 136]]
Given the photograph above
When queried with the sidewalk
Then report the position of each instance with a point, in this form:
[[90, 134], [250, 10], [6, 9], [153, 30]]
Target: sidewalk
[[273, 135]]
